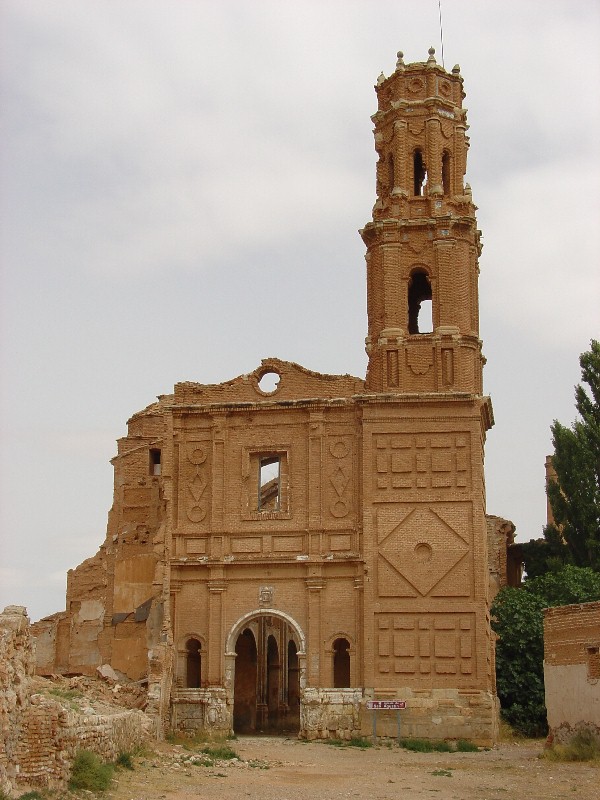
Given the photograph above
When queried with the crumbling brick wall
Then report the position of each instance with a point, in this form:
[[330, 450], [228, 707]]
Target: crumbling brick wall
[[39, 735], [17, 660], [51, 735], [572, 668], [502, 569]]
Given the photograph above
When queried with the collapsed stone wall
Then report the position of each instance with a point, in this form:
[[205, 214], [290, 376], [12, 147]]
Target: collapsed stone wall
[[51, 735], [17, 661], [503, 571], [41, 735]]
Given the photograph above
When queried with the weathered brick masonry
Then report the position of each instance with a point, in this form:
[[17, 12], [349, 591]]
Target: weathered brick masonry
[[276, 555], [40, 735], [572, 668]]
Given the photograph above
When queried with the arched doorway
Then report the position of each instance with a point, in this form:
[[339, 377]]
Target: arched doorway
[[244, 707], [265, 651]]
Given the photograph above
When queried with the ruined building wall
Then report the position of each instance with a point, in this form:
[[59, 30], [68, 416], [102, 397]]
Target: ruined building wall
[[40, 736], [231, 558], [115, 599], [572, 668], [504, 567], [17, 660], [362, 565]]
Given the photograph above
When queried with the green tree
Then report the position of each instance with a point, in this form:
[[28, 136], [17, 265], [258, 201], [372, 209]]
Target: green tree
[[569, 585], [574, 495], [518, 620]]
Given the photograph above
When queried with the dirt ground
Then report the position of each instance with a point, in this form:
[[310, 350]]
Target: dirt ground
[[288, 769]]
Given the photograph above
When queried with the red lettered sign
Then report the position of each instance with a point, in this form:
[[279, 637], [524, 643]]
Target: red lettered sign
[[385, 705]]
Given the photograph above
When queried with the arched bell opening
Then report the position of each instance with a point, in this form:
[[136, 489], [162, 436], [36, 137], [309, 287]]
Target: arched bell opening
[[420, 303], [446, 172], [419, 174]]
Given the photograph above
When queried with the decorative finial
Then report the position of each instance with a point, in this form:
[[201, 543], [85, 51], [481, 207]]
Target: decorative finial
[[400, 62], [431, 59], [380, 79], [456, 69]]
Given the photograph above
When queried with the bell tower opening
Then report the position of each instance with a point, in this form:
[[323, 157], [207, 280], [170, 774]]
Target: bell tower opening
[[419, 173], [420, 303], [423, 243], [446, 172], [391, 174]]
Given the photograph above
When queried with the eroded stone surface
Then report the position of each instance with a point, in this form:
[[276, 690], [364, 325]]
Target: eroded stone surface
[[43, 725]]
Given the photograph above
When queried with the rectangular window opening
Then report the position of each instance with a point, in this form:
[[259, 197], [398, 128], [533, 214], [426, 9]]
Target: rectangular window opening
[[155, 461], [269, 483]]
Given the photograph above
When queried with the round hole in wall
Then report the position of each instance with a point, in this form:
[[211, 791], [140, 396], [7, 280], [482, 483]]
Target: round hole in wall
[[268, 383]]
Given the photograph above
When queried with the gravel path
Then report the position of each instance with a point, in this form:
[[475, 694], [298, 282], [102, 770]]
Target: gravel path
[[287, 769]]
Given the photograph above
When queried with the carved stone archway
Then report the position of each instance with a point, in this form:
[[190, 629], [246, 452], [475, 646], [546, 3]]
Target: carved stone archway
[[265, 625]]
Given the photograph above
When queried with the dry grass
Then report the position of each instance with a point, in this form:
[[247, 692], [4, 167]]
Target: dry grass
[[584, 746]]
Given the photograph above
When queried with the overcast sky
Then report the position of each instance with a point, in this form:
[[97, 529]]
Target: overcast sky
[[182, 185]]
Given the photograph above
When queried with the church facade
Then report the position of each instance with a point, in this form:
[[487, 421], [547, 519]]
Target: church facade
[[288, 545]]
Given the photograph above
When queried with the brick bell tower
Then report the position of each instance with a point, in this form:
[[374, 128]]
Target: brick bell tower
[[427, 634], [423, 243]]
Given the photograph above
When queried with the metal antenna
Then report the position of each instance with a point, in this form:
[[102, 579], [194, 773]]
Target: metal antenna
[[441, 32]]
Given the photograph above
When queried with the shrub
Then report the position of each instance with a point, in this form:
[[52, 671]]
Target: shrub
[[438, 746], [220, 751], [89, 772], [426, 745], [124, 760], [465, 746], [355, 741]]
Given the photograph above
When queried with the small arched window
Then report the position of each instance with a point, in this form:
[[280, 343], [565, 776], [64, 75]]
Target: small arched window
[[419, 303], [193, 672], [419, 173], [446, 172], [341, 664], [391, 173]]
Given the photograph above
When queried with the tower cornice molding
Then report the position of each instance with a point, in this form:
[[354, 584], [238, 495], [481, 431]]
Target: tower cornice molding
[[394, 231]]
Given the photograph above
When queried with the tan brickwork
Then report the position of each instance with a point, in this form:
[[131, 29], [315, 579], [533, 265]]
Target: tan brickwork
[[572, 668], [325, 541], [504, 564], [40, 736]]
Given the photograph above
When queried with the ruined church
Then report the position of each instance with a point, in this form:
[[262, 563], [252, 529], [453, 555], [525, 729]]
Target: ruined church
[[288, 545]]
